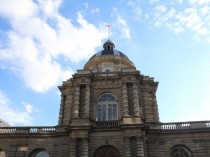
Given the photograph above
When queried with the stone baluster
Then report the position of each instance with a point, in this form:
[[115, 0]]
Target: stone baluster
[[127, 147], [87, 101], [140, 147], [125, 100], [136, 100], [76, 102], [84, 147], [73, 148]]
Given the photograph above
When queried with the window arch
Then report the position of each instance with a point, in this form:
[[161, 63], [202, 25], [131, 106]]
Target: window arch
[[2, 153], [180, 151], [106, 107], [39, 153]]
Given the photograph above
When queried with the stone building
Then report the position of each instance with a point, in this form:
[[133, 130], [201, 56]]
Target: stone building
[[108, 109]]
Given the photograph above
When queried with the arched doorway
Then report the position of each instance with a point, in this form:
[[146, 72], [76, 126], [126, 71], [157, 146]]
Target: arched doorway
[[106, 151]]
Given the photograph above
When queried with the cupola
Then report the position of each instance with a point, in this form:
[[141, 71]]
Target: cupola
[[108, 58]]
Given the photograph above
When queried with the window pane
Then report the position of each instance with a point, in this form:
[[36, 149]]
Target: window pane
[[103, 112], [99, 113], [114, 112], [110, 112], [106, 97]]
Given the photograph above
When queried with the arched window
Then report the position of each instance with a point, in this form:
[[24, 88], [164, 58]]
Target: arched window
[[180, 151], [2, 153], [106, 107], [39, 153]]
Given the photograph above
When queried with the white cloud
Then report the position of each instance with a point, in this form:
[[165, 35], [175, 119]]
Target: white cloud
[[28, 107], [179, 1], [114, 12], [205, 10], [190, 19], [199, 2], [161, 8], [39, 36], [18, 116], [135, 6], [95, 10], [125, 30], [153, 1]]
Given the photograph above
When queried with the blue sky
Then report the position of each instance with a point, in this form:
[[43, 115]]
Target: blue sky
[[43, 42]]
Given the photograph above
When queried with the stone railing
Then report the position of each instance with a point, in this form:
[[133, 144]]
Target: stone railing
[[103, 74], [185, 125], [107, 124], [25, 130]]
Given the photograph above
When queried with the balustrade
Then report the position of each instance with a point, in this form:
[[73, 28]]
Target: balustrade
[[31, 130], [102, 124], [185, 125], [101, 74]]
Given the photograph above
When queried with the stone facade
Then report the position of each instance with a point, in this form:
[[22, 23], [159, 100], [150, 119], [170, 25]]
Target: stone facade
[[108, 109]]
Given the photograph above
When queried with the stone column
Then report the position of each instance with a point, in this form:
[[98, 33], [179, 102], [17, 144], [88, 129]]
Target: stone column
[[136, 100], [73, 148], [125, 100], [84, 147], [76, 102], [139, 146], [87, 101], [127, 147]]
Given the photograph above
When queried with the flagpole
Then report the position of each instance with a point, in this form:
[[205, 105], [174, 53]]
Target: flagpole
[[108, 30]]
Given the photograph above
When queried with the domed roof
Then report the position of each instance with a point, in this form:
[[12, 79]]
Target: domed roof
[[109, 49], [108, 53]]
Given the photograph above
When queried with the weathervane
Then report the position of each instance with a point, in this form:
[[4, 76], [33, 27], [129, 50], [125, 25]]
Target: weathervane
[[108, 30]]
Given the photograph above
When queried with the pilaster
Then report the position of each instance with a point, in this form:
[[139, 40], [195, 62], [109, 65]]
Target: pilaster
[[73, 148], [61, 113], [139, 146], [127, 147], [136, 100], [76, 102], [125, 100], [87, 101], [84, 147]]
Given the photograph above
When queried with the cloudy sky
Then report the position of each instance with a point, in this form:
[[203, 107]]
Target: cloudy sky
[[43, 42]]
